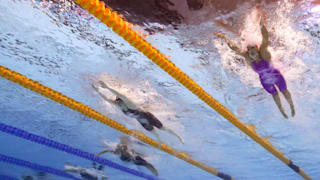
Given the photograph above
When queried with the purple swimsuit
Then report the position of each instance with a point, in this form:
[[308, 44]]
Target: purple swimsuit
[[269, 76]]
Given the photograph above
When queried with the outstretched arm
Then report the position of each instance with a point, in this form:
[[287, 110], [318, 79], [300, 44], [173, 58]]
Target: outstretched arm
[[265, 35], [103, 85], [128, 102], [102, 95], [230, 44], [225, 26], [105, 151], [265, 41]]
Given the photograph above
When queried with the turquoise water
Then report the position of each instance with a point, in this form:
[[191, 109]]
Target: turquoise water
[[68, 53]]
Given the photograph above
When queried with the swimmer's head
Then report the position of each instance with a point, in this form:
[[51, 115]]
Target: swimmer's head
[[122, 149], [253, 52]]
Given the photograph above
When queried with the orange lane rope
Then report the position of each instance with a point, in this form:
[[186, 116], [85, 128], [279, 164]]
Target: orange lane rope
[[86, 110], [122, 28]]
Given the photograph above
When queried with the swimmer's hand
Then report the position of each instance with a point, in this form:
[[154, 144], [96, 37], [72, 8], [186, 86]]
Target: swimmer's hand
[[94, 87], [261, 21], [263, 17], [102, 84], [220, 35]]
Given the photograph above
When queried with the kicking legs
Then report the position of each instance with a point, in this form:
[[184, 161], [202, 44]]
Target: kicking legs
[[172, 132], [287, 95], [276, 99]]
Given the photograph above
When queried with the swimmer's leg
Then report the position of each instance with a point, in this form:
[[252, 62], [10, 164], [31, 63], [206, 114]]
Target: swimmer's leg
[[271, 89], [276, 99], [149, 127], [156, 123], [141, 162], [287, 95], [282, 85], [172, 132], [151, 168]]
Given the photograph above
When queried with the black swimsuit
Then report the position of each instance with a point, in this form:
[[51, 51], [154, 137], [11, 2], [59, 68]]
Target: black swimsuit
[[126, 156], [146, 119], [88, 176]]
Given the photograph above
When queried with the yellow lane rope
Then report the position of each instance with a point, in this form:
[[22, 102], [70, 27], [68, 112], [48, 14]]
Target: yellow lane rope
[[86, 110], [122, 28]]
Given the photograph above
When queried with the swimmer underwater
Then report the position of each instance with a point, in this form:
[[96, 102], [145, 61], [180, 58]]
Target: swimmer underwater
[[146, 119], [259, 58], [129, 155]]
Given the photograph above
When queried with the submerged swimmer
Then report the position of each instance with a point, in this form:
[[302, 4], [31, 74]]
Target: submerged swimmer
[[260, 60], [94, 173], [37, 176], [146, 119], [130, 155]]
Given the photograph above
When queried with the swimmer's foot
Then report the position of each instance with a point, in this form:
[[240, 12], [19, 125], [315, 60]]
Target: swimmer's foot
[[287, 95], [284, 114], [152, 169], [181, 139], [173, 133], [293, 112], [276, 99]]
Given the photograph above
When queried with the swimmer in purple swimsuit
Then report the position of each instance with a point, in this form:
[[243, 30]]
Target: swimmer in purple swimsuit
[[260, 61]]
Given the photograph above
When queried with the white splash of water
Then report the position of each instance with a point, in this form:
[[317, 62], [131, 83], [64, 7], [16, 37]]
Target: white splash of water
[[251, 31], [287, 43], [145, 97]]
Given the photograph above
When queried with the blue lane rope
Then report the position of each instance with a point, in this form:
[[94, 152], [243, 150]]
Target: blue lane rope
[[4, 177], [77, 152], [27, 164]]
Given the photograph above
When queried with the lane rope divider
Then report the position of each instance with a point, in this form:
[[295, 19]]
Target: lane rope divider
[[122, 28], [70, 150], [86, 110], [37, 167], [4, 177]]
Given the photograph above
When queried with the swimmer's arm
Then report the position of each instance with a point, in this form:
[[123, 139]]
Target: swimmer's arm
[[105, 151], [265, 42], [139, 154], [225, 26], [232, 45], [102, 95], [265, 35], [103, 85], [129, 103]]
